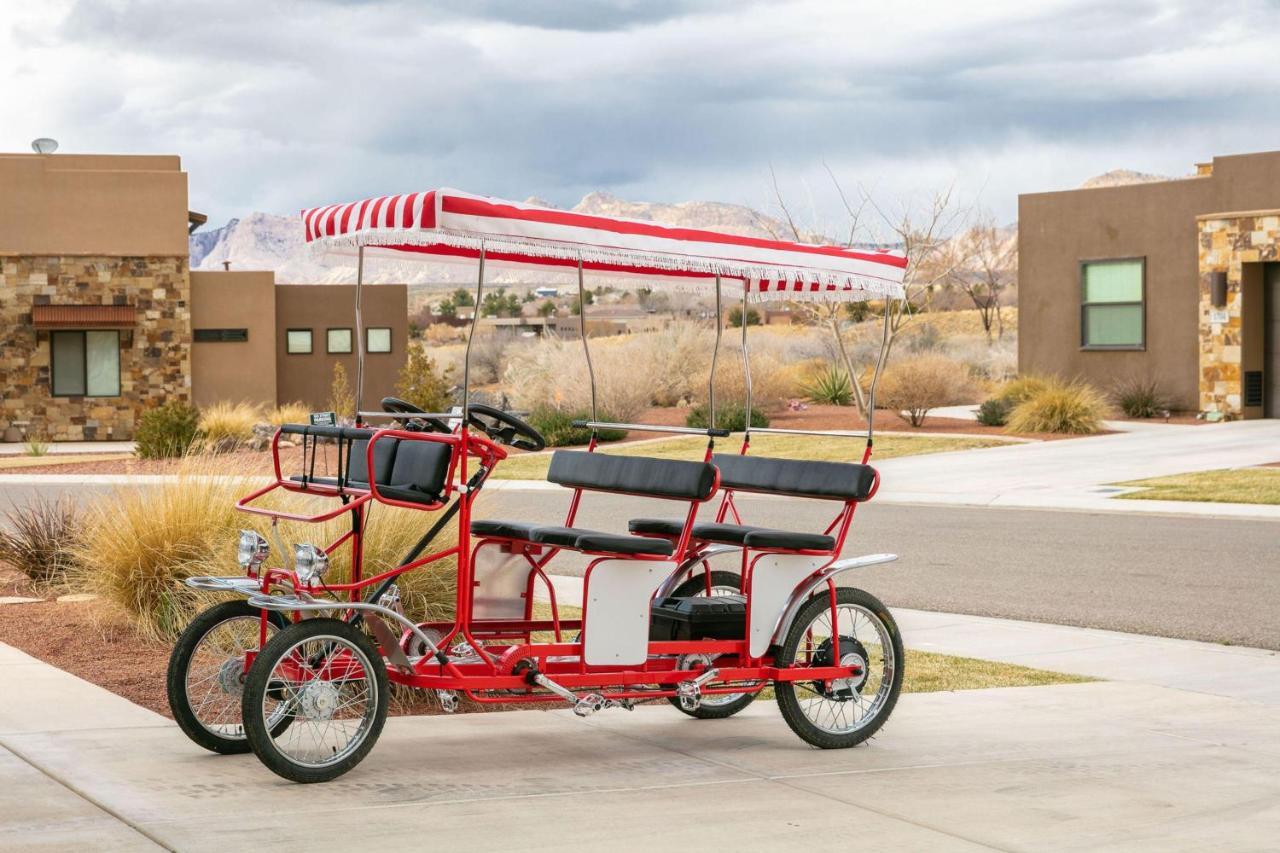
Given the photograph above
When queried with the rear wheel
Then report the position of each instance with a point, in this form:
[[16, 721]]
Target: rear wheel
[[330, 679], [714, 706], [841, 712], [206, 674]]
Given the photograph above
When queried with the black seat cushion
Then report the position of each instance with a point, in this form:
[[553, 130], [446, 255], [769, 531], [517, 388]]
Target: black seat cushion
[[419, 471], [730, 534], [504, 529], [635, 475], [805, 479], [762, 538], [656, 526], [612, 544], [562, 537]]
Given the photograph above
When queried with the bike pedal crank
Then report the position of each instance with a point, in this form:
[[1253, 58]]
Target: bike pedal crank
[[583, 706], [689, 693]]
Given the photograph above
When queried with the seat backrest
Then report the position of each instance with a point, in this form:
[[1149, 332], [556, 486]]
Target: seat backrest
[[634, 475], [419, 466], [384, 456], [846, 481]]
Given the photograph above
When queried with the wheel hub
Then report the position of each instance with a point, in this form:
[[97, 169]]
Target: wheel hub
[[852, 653], [231, 676], [318, 700]]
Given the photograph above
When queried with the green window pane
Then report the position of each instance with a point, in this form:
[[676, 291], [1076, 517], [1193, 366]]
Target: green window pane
[[339, 340], [298, 341], [1113, 281], [379, 340], [68, 363], [102, 357], [1113, 325]]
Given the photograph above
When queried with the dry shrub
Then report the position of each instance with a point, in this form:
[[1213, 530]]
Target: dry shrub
[[773, 380], [1074, 408], [553, 374], [140, 543], [37, 538], [225, 426], [1023, 388], [443, 333], [289, 413], [912, 386]]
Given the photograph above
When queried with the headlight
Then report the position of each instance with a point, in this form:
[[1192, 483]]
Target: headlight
[[310, 562], [252, 550]]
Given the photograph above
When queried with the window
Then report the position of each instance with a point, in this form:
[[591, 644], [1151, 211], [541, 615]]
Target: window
[[297, 341], [377, 339], [1111, 304], [339, 340], [215, 336], [85, 364]]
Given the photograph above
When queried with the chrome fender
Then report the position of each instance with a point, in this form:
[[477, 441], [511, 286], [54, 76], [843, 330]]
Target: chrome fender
[[810, 585], [686, 568]]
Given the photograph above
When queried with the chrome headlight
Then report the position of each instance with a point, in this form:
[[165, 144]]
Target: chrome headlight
[[310, 562], [252, 550]]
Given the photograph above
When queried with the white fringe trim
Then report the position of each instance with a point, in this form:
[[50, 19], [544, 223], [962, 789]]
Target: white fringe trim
[[844, 287]]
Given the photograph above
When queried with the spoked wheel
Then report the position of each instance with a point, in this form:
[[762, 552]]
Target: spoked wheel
[[330, 679], [714, 706], [842, 712], [205, 680]]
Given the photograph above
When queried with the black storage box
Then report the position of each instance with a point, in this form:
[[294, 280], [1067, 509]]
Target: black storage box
[[722, 617]]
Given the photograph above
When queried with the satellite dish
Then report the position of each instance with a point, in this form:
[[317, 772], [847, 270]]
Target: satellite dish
[[44, 145]]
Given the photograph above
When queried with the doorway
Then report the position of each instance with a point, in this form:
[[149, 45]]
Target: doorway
[[1271, 341]]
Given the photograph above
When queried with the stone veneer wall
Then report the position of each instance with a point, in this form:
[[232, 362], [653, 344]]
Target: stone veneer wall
[[155, 355], [1226, 244]]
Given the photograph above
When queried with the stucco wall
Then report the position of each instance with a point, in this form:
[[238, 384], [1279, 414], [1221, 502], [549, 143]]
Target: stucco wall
[[155, 356], [234, 371]]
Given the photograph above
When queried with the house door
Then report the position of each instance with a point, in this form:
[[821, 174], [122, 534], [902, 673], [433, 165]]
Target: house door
[[1271, 341]]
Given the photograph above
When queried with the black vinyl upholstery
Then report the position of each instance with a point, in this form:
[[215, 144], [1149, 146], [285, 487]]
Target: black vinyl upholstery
[[637, 475], [786, 539], [805, 479], [561, 537], [656, 526], [607, 542], [734, 534], [411, 471], [503, 529], [572, 537]]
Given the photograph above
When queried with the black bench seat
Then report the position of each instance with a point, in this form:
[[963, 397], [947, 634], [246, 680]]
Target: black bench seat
[[573, 538], [734, 534]]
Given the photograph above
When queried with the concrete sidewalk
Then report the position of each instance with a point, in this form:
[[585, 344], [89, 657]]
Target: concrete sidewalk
[[60, 448]]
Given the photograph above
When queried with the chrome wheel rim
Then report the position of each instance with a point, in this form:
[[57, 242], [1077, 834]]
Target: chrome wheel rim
[[326, 684], [214, 680], [850, 704]]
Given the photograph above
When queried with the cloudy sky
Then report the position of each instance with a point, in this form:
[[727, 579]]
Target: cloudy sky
[[280, 105]]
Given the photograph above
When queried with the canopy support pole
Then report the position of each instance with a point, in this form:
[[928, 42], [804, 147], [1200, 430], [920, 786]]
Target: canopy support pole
[[715, 356], [746, 361], [359, 336], [466, 359], [875, 376], [582, 330]]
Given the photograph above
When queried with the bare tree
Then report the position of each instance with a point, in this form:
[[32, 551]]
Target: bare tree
[[990, 267]]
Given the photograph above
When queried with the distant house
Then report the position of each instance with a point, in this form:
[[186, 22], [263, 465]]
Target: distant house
[[103, 318], [546, 292], [1173, 280]]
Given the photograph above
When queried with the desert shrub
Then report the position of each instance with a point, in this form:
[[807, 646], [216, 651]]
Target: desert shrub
[[677, 361], [225, 426], [1023, 388], [443, 333], [37, 538], [730, 416], [489, 356], [556, 426], [342, 400], [830, 386], [912, 386], [994, 412], [1139, 397], [141, 542], [289, 413], [1061, 407], [166, 431], [735, 317], [553, 374], [423, 383]]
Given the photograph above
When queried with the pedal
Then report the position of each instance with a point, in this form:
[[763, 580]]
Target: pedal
[[689, 693], [590, 703], [448, 700]]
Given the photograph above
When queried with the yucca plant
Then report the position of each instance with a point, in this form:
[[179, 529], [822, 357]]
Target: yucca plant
[[830, 386], [1139, 397], [37, 538]]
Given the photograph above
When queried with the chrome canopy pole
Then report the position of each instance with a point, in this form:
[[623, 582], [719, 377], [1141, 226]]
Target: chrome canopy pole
[[466, 359], [359, 335], [746, 356], [715, 356], [582, 330]]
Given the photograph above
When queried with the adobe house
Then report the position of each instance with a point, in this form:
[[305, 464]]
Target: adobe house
[[1175, 280], [101, 318]]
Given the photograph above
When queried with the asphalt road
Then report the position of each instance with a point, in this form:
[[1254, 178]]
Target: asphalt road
[[1191, 577]]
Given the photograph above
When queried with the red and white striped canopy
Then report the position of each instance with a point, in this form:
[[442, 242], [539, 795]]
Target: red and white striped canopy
[[448, 224]]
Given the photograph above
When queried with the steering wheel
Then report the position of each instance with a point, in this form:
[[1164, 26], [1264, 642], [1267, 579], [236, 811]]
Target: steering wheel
[[396, 406], [505, 428]]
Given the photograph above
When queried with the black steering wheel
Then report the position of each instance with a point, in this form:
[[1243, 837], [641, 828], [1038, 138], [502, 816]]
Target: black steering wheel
[[396, 406], [504, 427]]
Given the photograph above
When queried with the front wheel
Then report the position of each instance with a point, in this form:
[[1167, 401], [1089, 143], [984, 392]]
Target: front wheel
[[206, 674], [842, 712], [330, 679]]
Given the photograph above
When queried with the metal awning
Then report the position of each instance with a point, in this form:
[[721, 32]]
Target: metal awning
[[84, 316]]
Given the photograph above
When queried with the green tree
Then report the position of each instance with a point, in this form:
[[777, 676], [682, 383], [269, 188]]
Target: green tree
[[576, 307], [448, 307], [423, 383], [463, 298], [546, 309]]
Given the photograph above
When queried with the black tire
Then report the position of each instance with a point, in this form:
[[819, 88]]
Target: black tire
[[259, 688], [789, 703], [696, 585], [186, 716]]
